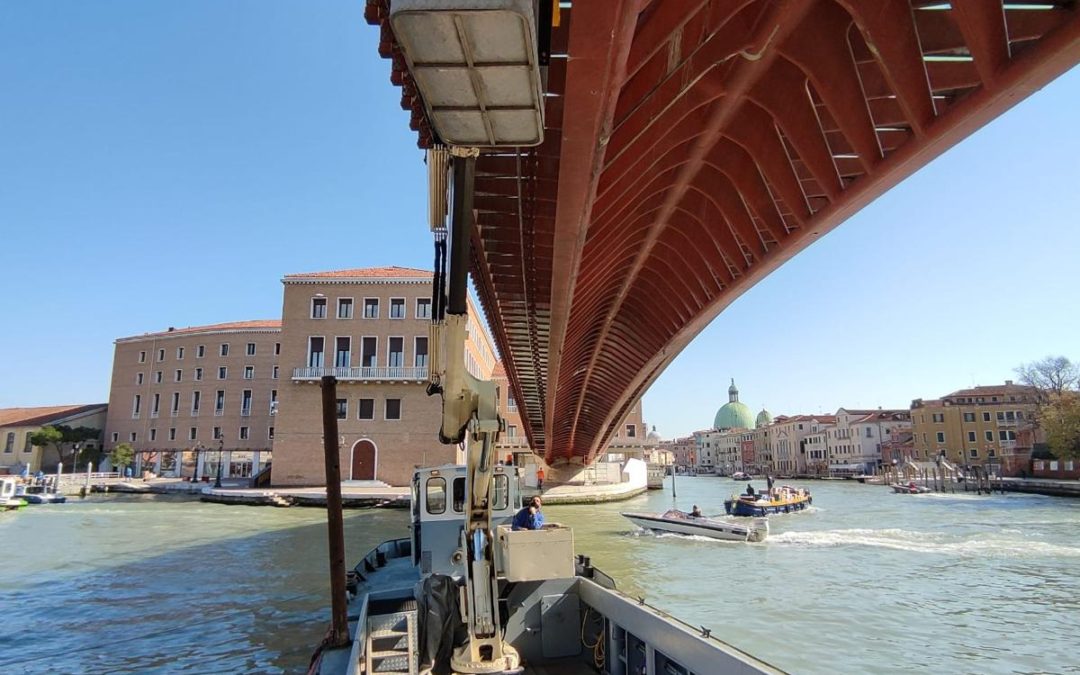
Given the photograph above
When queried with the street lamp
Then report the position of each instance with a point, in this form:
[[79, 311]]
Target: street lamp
[[221, 450], [199, 448]]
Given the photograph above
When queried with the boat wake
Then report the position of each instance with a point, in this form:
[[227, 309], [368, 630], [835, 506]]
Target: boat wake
[[926, 542]]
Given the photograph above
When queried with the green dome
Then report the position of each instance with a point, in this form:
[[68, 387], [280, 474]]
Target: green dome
[[764, 418], [733, 414]]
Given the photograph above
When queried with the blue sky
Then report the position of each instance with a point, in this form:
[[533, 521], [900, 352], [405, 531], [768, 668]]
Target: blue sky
[[165, 163]]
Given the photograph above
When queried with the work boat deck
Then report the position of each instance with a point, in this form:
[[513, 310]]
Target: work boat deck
[[563, 616]]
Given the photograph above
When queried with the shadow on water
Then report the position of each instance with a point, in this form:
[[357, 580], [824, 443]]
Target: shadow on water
[[193, 588]]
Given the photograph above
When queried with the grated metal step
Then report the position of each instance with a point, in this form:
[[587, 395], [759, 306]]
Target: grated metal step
[[391, 644]]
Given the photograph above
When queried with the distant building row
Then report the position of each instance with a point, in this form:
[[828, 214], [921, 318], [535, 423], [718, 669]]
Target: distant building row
[[983, 425]]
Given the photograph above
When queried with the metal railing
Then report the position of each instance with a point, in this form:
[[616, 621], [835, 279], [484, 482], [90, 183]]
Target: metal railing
[[363, 373]]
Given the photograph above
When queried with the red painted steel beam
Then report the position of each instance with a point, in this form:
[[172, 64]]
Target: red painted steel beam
[[779, 21], [983, 26], [1052, 56], [594, 76]]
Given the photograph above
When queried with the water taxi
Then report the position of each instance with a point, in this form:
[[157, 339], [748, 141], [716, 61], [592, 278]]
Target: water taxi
[[9, 500], [778, 500], [680, 522], [909, 489]]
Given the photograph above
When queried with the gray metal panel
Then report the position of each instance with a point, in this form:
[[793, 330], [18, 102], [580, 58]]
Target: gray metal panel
[[560, 623], [676, 640]]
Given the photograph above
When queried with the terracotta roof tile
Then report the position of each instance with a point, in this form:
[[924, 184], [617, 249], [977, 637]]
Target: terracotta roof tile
[[212, 328], [392, 272], [499, 370], [993, 390], [11, 417]]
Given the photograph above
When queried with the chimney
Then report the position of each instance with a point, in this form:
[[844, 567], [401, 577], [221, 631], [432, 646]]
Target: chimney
[[171, 329], [1008, 383]]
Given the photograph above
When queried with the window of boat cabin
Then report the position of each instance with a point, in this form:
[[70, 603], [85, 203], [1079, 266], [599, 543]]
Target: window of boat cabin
[[501, 492], [435, 495], [459, 494]]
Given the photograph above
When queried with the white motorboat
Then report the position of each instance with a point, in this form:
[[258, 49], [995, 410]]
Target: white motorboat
[[910, 489], [680, 522]]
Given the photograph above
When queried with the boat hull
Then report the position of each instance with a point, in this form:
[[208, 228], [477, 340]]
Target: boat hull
[[761, 508], [703, 527]]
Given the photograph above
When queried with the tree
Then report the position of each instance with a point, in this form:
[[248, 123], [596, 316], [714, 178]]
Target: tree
[[1060, 419], [49, 436], [122, 455], [1054, 374]]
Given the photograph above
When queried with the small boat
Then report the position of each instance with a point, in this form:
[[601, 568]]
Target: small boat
[[910, 489], [739, 475], [9, 501], [782, 500], [39, 494], [680, 522]]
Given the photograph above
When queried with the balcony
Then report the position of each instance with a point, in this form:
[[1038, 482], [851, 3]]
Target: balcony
[[1006, 422], [383, 373], [245, 412], [219, 412]]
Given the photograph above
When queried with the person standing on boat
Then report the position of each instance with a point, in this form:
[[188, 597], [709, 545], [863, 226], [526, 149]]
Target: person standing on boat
[[695, 512], [530, 517], [749, 489], [769, 480]]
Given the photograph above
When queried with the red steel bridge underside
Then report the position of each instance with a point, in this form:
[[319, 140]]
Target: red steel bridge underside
[[693, 146]]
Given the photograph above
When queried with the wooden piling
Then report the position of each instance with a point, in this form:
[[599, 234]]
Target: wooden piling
[[339, 623]]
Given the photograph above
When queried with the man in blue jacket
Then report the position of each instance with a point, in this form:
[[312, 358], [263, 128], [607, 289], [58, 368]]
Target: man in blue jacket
[[529, 517]]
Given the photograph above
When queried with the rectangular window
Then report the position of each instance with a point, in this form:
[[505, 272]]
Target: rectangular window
[[196, 402], [986, 417], [277, 349], [115, 436], [342, 352], [395, 357], [219, 402], [973, 452], [371, 308], [423, 308], [224, 349], [179, 353], [249, 372], [270, 433], [142, 357], [200, 351], [174, 410], [251, 349], [989, 435], [631, 431], [172, 433], [138, 378], [393, 409], [369, 348], [134, 436], [273, 402], [193, 433], [153, 434], [969, 417], [157, 377], [342, 408], [511, 404], [318, 308], [869, 432], [161, 355], [435, 495], [1000, 416], [222, 372], [198, 374], [217, 433], [420, 357], [245, 403], [1003, 435], [136, 406], [178, 375], [29, 445], [939, 417], [9, 444], [511, 431], [397, 308], [941, 437], [365, 409], [274, 373], [243, 433], [315, 352], [344, 308], [971, 437]]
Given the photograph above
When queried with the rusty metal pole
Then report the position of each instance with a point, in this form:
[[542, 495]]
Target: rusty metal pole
[[339, 625]]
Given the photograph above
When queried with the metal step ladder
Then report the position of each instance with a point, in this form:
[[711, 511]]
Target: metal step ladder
[[391, 644]]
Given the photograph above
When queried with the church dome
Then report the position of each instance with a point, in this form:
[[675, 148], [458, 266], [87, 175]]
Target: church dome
[[764, 418], [733, 414], [653, 436]]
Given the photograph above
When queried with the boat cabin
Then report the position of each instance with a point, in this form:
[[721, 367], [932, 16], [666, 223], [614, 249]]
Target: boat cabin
[[438, 514]]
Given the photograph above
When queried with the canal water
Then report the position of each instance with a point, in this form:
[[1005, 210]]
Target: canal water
[[865, 581]]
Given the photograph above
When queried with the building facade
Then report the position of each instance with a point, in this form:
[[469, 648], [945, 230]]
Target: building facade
[[980, 425], [17, 425], [855, 441], [189, 400], [370, 329]]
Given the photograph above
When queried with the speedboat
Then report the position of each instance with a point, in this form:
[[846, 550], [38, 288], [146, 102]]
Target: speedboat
[[780, 500], [740, 475], [910, 489], [9, 501], [680, 522], [39, 494]]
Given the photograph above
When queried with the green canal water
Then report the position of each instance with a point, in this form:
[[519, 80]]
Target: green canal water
[[865, 581]]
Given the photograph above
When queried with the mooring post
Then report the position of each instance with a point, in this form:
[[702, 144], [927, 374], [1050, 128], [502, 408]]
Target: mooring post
[[339, 625]]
